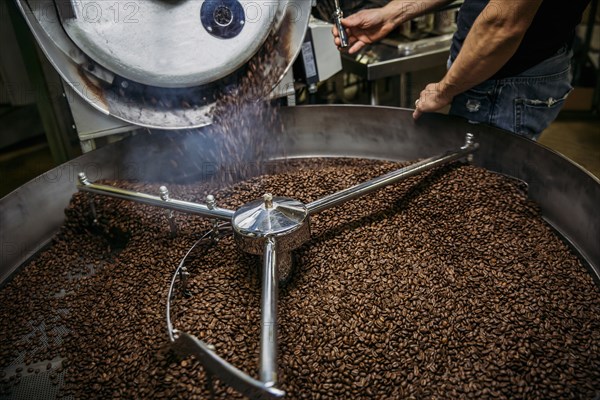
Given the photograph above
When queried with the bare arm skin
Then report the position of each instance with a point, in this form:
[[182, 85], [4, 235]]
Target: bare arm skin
[[494, 38], [369, 26]]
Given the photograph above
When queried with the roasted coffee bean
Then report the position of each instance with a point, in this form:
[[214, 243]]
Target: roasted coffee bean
[[447, 285]]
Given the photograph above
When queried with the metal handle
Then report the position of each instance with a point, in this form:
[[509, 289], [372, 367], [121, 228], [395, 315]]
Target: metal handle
[[337, 16]]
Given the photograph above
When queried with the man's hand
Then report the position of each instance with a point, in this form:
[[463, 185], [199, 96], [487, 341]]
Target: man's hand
[[434, 97], [369, 26], [365, 27]]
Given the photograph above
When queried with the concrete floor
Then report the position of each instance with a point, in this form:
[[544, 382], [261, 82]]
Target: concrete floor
[[578, 140]]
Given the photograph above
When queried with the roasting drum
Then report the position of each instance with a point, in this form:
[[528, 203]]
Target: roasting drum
[[567, 194], [163, 64]]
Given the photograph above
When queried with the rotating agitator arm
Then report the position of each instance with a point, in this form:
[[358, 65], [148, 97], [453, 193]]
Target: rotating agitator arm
[[364, 188], [271, 227], [163, 201]]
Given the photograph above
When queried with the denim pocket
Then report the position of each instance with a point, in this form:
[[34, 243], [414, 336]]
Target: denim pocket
[[474, 104], [538, 101]]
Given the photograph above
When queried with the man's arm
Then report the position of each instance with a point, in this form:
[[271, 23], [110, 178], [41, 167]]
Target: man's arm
[[494, 38], [369, 26], [404, 10]]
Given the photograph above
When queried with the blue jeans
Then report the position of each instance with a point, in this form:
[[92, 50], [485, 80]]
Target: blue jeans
[[524, 104]]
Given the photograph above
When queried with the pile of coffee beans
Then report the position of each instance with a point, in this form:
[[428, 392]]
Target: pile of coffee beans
[[446, 285]]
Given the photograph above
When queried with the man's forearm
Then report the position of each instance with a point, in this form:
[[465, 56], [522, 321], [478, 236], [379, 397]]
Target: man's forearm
[[400, 11], [492, 41]]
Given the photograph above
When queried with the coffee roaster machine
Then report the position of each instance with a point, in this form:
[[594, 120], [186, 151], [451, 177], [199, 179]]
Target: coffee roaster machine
[[112, 68], [102, 51]]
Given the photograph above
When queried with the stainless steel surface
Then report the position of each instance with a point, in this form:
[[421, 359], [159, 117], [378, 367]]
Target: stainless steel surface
[[269, 217], [403, 61], [269, 221], [158, 201], [268, 316], [337, 16], [423, 45], [129, 39], [382, 61], [278, 217], [389, 179], [567, 195], [160, 99], [164, 196], [211, 202]]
